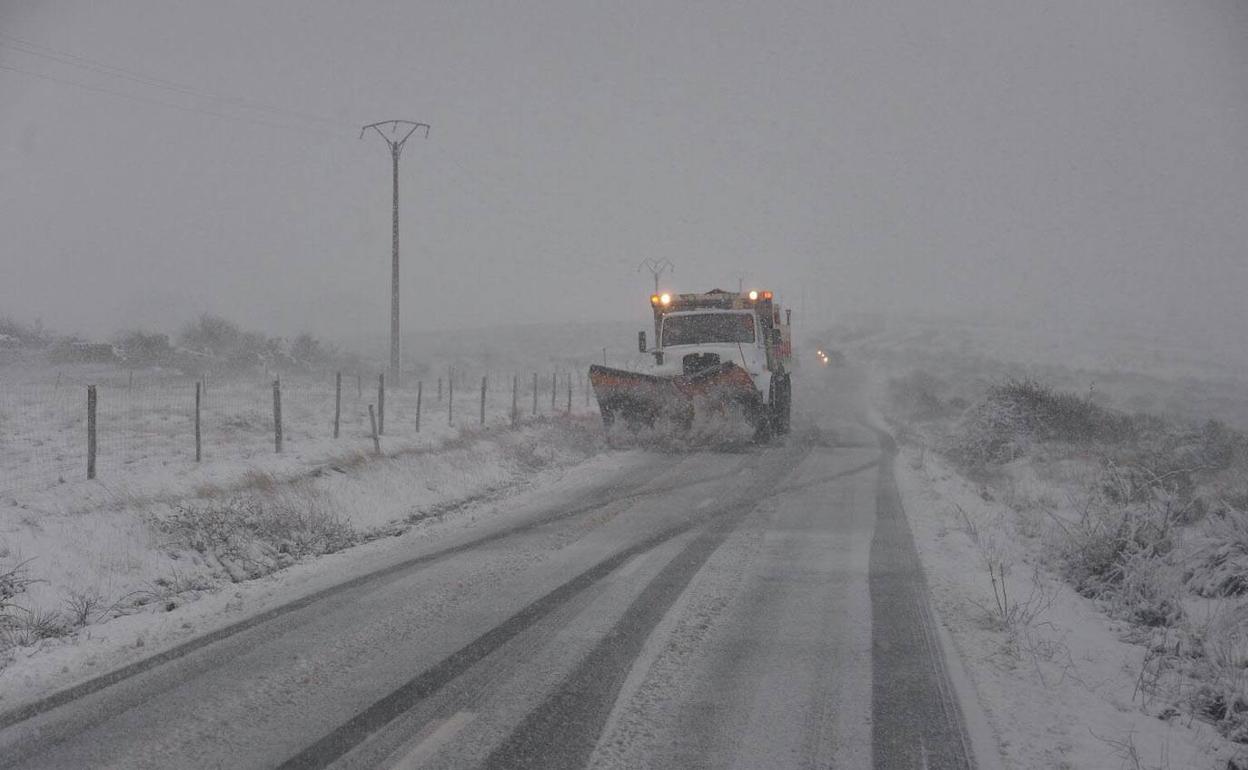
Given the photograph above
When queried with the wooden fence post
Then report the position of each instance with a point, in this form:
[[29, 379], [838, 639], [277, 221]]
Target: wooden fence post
[[198, 446], [515, 392], [337, 402], [90, 430], [381, 404], [484, 379], [420, 387], [372, 418], [277, 415], [450, 400]]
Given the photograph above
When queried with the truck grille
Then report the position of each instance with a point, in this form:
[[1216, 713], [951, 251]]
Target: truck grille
[[696, 362]]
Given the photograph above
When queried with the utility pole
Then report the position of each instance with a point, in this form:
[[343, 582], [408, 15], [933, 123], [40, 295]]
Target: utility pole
[[657, 268], [396, 148]]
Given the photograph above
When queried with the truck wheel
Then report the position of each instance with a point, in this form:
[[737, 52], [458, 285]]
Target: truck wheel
[[762, 417]]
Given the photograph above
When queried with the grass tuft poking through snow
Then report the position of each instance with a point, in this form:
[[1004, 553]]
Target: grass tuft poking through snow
[[251, 534]]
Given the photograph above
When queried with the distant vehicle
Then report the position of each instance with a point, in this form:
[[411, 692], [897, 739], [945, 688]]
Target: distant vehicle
[[714, 351], [830, 357]]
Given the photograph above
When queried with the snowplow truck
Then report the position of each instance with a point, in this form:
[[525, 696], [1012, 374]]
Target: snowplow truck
[[717, 352]]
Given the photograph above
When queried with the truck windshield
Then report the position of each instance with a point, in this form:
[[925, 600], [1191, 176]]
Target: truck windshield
[[707, 327]]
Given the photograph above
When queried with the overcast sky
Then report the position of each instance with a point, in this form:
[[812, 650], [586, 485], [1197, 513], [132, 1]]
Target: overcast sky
[[1068, 162]]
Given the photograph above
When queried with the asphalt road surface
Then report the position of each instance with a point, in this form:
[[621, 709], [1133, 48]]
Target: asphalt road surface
[[748, 608]]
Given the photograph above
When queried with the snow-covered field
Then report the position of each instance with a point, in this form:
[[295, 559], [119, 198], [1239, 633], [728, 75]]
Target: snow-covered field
[[146, 424], [157, 528], [1132, 370]]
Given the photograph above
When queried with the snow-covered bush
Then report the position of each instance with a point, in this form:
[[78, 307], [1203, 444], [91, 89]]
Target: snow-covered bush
[[14, 619], [1222, 566], [14, 580], [1117, 553], [1016, 414]]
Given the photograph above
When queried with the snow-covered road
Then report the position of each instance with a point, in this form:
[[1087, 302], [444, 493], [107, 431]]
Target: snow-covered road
[[752, 608]]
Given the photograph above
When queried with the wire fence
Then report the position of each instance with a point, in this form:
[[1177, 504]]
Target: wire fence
[[146, 429]]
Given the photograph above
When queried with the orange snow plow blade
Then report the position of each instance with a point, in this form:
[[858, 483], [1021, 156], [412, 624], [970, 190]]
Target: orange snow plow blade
[[642, 399]]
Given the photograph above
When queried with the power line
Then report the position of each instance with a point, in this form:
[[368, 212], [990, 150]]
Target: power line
[[158, 102], [152, 81]]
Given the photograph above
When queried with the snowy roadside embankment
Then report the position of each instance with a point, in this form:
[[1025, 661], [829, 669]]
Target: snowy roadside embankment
[[1060, 685], [91, 589], [1090, 563]]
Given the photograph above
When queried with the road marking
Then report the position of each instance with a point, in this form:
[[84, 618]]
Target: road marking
[[440, 736]]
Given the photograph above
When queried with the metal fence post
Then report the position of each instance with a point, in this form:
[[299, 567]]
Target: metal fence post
[[337, 402], [277, 415], [484, 379], [381, 404], [90, 431], [198, 397]]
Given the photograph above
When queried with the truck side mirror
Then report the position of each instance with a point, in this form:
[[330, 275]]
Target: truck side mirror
[[641, 342]]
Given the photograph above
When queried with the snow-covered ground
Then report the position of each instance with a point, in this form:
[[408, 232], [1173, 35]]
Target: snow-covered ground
[[156, 529], [1132, 370], [146, 424], [1061, 687], [1079, 578], [402, 503]]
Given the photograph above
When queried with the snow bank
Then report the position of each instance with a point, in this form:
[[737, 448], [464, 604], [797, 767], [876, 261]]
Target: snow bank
[[150, 555]]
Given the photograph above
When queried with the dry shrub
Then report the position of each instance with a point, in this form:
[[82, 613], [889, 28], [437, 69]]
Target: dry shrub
[[14, 580], [83, 606]]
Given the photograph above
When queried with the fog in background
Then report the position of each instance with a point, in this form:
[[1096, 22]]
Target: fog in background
[[1070, 164]]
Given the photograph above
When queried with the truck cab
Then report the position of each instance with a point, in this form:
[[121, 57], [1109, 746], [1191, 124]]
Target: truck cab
[[696, 332], [714, 352]]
